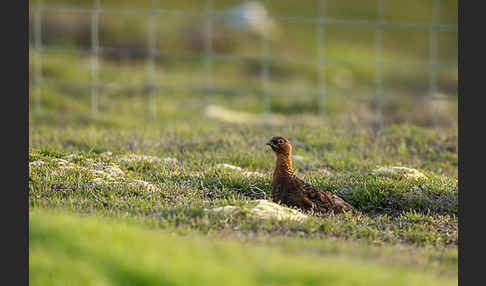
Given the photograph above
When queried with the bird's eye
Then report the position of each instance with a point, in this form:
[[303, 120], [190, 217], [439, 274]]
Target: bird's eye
[[280, 141]]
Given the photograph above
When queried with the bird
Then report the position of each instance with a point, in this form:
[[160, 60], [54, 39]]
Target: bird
[[291, 191]]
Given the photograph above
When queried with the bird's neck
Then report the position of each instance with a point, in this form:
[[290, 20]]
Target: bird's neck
[[283, 167]]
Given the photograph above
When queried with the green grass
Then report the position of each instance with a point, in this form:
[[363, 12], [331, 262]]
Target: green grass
[[396, 212], [67, 249], [406, 232]]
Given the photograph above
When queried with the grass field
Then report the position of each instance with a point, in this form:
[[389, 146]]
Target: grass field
[[83, 190], [67, 249], [120, 197]]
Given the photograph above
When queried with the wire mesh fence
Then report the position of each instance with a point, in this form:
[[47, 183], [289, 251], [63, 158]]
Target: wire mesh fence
[[208, 55]]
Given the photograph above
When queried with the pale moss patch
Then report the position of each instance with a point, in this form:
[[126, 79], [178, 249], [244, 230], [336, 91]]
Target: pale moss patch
[[227, 115], [263, 209], [109, 169], [101, 173], [239, 169], [395, 171], [98, 170], [37, 163]]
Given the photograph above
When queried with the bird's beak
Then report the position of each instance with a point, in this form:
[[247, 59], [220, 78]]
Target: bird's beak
[[270, 143]]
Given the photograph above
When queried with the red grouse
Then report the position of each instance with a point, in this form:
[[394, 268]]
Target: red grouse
[[293, 192]]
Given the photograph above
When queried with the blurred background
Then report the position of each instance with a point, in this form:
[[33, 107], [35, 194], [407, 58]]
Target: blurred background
[[354, 63]]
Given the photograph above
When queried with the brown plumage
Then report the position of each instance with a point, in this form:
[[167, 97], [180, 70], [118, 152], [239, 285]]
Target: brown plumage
[[293, 192]]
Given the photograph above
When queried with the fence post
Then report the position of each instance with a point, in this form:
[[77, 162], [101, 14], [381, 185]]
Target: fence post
[[38, 81], [94, 56], [208, 49], [321, 81], [151, 61], [433, 58], [264, 72], [379, 91]]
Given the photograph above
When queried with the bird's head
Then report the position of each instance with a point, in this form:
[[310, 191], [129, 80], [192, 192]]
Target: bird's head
[[280, 145]]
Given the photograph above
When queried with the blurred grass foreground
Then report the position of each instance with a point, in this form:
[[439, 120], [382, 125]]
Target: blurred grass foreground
[[148, 120]]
